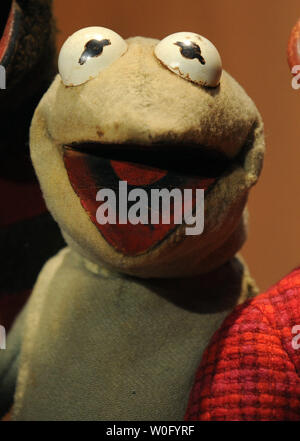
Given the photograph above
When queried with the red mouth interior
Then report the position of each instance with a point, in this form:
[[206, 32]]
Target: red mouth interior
[[92, 167], [6, 25]]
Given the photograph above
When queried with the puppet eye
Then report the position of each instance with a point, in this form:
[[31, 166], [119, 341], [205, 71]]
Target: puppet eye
[[191, 56], [87, 52]]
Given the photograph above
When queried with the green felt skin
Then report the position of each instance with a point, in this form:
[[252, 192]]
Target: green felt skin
[[104, 346]]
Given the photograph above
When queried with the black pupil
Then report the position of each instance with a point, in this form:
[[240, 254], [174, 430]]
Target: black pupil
[[190, 51], [93, 48]]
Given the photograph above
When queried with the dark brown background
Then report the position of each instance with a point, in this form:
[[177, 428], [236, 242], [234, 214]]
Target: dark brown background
[[251, 37]]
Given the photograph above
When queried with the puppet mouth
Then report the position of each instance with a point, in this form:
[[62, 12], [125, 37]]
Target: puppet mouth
[[9, 29], [94, 166]]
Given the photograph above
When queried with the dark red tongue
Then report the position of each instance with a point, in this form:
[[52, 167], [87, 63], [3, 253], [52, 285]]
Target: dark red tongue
[[136, 174], [88, 174]]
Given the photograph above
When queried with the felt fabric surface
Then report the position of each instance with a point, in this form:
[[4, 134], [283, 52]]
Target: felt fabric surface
[[104, 346], [251, 371]]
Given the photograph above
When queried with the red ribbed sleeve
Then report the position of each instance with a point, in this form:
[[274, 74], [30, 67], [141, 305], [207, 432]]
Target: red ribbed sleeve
[[251, 369]]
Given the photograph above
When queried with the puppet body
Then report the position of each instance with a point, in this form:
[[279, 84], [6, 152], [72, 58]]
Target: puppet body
[[99, 345], [112, 331]]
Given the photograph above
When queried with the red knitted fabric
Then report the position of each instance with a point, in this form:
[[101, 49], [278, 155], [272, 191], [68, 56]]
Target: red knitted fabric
[[251, 369]]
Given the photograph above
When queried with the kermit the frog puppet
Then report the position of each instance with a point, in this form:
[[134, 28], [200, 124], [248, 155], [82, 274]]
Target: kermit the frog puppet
[[118, 320]]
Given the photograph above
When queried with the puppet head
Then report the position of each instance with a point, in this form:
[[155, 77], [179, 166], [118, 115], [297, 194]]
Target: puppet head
[[156, 115]]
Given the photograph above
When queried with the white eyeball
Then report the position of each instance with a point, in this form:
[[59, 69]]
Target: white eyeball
[[87, 52], [191, 56]]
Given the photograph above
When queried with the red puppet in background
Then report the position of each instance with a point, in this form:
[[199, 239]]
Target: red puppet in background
[[251, 369], [28, 65], [293, 50]]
